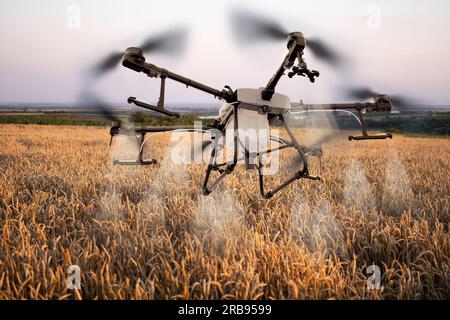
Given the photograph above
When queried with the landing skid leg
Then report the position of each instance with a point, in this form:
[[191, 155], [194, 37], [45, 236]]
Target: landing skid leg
[[304, 173], [207, 189], [140, 137]]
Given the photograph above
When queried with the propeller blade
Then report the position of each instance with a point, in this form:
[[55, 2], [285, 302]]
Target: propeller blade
[[96, 105], [108, 63], [397, 101], [169, 42], [322, 51], [361, 93], [248, 27], [400, 101]]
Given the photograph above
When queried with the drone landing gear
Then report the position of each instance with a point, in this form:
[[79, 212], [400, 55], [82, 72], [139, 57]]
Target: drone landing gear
[[298, 175], [134, 162], [212, 166], [365, 135], [140, 137], [304, 173], [226, 168], [371, 137], [160, 105]]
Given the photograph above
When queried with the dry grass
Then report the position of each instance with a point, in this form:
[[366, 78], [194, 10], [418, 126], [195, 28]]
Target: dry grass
[[147, 233]]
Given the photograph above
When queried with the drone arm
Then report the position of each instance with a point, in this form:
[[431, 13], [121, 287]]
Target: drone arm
[[269, 90], [296, 44], [157, 108], [191, 83], [381, 104], [287, 63], [133, 59], [369, 106]]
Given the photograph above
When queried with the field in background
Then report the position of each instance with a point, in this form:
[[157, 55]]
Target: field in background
[[409, 122], [148, 233], [84, 118]]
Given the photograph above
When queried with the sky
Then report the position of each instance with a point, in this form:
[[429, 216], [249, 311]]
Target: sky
[[48, 47]]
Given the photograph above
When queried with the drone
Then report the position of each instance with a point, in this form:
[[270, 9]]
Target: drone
[[243, 125]]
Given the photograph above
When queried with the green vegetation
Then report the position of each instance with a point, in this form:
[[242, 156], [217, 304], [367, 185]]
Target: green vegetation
[[143, 118], [412, 123], [415, 124], [48, 119], [137, 118]]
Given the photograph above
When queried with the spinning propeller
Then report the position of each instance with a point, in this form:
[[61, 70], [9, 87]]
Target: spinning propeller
[[169, 42], [248, 27], [397, 101]]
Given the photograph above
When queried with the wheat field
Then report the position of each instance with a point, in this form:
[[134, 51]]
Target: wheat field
[[148, 233]]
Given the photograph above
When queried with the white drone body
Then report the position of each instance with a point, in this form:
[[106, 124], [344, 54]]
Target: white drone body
[[253, 123]]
